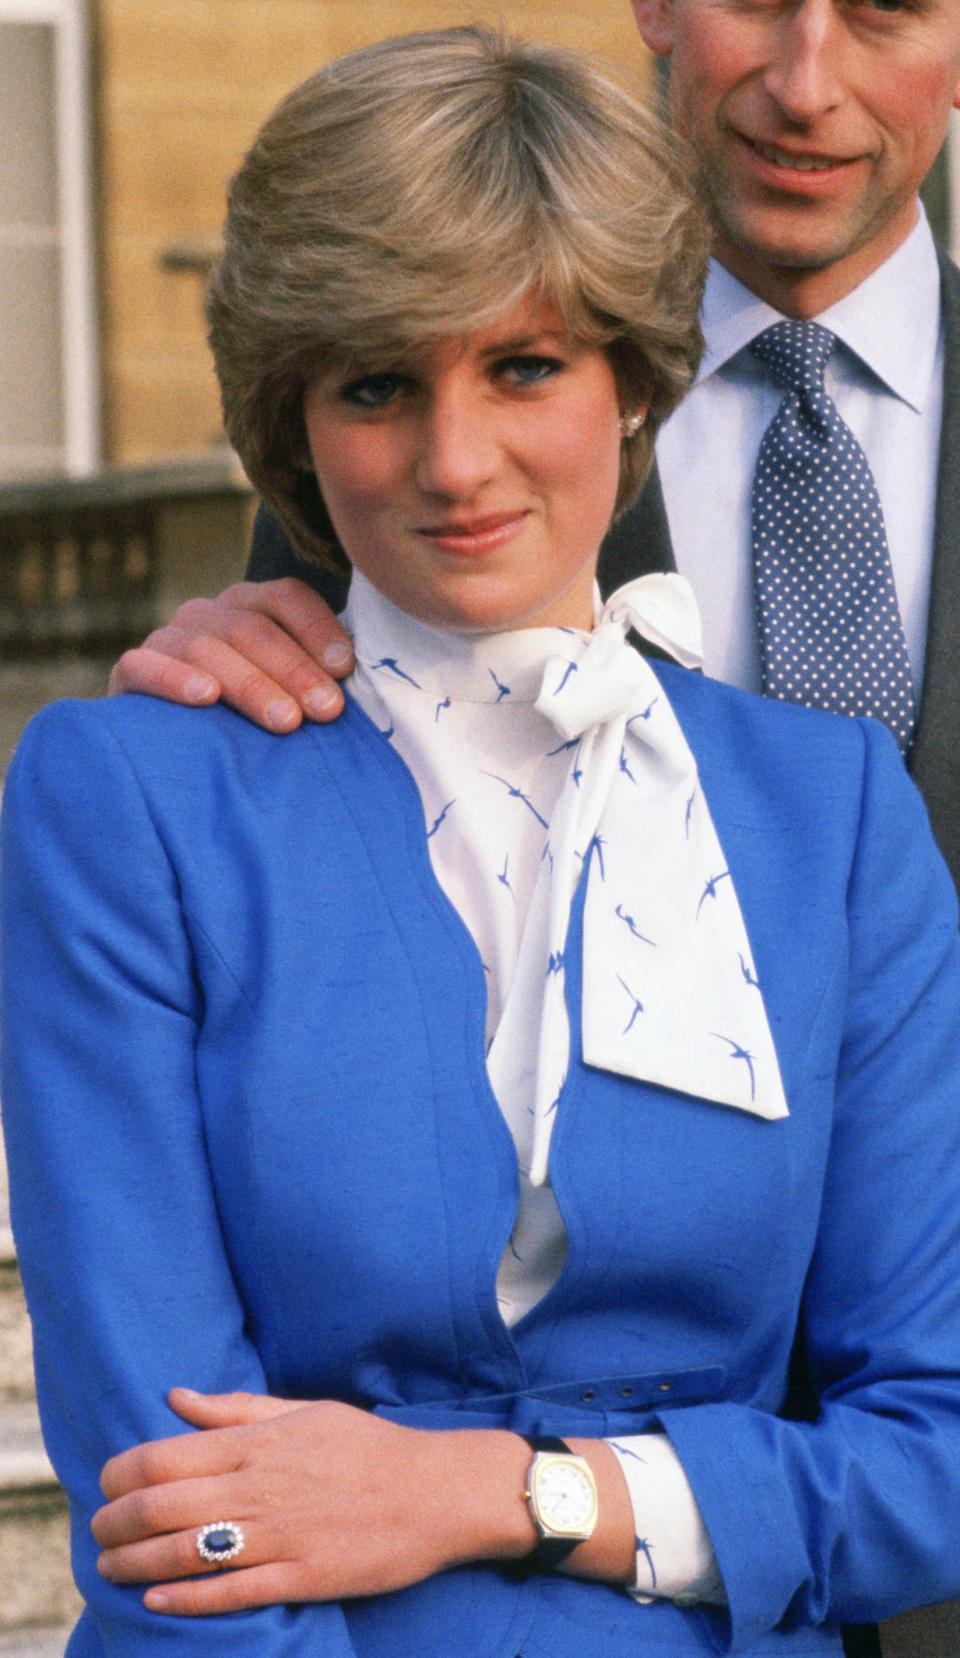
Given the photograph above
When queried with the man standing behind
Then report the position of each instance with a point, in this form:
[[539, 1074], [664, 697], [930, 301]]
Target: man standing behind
[[815, 124]]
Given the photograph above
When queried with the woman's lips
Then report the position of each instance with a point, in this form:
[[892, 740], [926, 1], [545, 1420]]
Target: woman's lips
[[474, 535]]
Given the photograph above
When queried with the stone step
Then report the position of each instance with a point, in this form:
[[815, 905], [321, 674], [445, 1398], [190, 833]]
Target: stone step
[[36, 1586], [16, 1353], [47, 1642]]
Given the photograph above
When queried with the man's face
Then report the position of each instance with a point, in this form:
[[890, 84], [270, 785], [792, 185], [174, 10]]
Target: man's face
[[815, 122]]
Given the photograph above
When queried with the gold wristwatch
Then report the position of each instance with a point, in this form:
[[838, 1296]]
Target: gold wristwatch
[[562, 1494]]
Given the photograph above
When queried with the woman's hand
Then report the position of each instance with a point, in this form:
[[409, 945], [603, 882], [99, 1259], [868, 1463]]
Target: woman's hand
[[332, 1502]]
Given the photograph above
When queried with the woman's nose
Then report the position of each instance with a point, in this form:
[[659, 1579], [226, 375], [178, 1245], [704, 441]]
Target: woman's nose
[[457, 445]]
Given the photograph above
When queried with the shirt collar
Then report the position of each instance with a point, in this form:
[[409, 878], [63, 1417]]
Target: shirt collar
[[481, 667], [905, 286], [468, 667]]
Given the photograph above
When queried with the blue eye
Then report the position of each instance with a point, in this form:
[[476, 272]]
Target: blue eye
[[529, 370], [372, 391]]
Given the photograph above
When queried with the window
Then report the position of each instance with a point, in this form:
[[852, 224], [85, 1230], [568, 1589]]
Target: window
[[49, 394]]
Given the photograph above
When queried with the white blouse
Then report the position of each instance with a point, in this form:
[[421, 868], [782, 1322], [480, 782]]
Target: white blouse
[[534, 752]]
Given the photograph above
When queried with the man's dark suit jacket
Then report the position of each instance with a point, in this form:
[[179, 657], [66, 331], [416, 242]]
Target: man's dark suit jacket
[[640, 542]]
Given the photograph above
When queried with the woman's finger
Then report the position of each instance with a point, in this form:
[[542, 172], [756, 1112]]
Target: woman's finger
[[156, 1510], [175, 1555], [225, 1410], [184, 1457], [230, 1591]]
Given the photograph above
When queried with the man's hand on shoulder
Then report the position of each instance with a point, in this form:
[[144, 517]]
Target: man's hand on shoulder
[[273, 650]]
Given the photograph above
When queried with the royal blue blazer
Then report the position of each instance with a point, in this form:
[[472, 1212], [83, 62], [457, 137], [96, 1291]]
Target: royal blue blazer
[[252, 1145]]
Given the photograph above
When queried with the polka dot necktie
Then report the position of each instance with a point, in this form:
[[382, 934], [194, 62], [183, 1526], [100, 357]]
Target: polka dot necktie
[[830, 628]]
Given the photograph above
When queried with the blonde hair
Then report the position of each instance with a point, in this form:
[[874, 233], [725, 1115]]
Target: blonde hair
[[418, 190]]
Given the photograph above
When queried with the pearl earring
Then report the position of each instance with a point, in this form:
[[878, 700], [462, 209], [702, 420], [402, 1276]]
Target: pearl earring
[[630, 424]]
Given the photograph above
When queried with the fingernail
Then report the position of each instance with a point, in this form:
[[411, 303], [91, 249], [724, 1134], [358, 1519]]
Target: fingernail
[[282, 714], [337, 657], [321, 701], [201, 688], [156, 1601], [190, 1392]]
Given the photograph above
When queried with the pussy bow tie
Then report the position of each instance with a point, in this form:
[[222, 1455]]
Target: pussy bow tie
[[671, 995]]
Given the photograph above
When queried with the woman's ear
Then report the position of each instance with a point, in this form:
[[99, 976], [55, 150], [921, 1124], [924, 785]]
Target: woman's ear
[[655, 22]]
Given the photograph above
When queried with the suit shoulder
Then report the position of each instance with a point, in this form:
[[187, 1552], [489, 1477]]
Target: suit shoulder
[[724, 713], [139, 725], [75, 748], [798, 766]]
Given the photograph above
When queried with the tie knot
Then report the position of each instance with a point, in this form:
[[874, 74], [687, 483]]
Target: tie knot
[[795, 354]]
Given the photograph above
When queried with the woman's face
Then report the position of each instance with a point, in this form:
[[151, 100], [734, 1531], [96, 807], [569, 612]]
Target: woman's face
[[474, 489]]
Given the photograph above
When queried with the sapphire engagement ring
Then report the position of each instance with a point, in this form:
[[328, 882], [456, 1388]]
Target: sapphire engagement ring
[[219, 1542]]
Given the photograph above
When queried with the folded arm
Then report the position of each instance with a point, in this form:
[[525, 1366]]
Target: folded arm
[[128, 1281], [135, 1292]]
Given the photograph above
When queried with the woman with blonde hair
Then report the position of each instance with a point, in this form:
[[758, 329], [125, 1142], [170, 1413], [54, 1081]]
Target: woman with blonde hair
[[459, 1115]]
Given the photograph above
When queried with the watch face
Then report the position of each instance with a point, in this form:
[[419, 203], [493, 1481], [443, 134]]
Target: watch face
[[565, 1497]]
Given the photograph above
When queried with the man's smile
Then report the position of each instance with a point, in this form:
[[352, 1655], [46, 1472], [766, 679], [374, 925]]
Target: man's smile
[[798, 161]]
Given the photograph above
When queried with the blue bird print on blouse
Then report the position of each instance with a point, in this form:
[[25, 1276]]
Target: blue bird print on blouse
[[574, 742], [646, 712], [747, 972], [635, 930], [503, 877], [710, 890], [440, 708], [625, 1451], [644, 1548], [597, 845], [637, 1005], [517, 794], [739, 1052], [555, 963], [502, 690], [687, 815], [625, 766], [393, 666], [438, 820], [571, 668]]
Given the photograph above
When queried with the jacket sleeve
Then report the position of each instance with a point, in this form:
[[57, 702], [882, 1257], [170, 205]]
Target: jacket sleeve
[[127, 1279], [856, 1515]]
